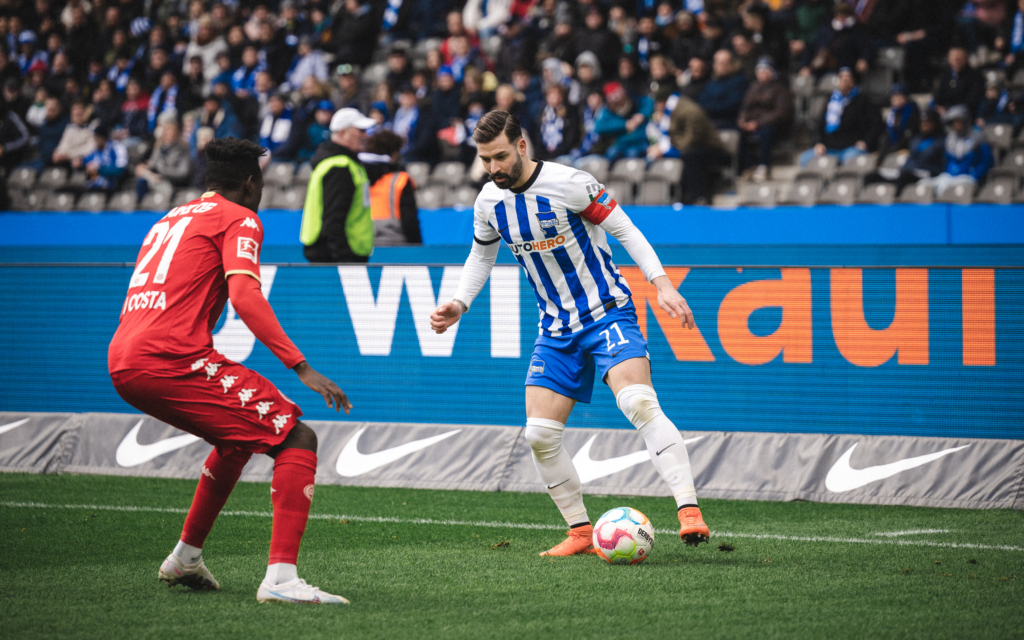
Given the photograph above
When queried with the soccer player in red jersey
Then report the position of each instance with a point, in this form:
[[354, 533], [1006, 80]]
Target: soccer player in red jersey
[[162, 362]]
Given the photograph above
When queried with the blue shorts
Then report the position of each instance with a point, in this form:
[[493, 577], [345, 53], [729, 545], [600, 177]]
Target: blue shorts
[[566, 364]]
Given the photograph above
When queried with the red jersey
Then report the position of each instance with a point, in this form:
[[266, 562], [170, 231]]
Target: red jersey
[[179, 287]]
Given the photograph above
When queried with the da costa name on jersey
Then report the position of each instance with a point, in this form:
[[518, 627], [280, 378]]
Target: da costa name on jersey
[[145, 300]]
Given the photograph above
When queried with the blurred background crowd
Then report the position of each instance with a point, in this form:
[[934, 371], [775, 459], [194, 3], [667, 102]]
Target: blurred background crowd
[[123, 95]]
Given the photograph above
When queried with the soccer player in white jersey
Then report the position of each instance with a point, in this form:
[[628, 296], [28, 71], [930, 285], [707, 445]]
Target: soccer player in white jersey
[[554, 219]]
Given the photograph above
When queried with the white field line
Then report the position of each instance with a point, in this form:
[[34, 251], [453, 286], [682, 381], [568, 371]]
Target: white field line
[[513, 525], [912, 532]]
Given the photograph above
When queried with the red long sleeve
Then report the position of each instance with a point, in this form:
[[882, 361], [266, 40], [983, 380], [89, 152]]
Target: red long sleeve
[[256, 313]]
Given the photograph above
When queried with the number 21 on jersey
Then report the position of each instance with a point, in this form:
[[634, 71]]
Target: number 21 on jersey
[[161, 235], [608, 337]]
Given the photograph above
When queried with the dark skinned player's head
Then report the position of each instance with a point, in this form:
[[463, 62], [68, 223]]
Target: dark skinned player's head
[[234, 171]]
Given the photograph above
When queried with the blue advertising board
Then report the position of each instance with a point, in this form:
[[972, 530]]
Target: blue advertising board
[[904, 351]]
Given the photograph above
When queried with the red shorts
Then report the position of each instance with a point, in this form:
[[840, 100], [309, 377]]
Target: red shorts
[[216, 399]]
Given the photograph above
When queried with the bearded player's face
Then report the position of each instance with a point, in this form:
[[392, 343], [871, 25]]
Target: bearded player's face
[[503, 160]]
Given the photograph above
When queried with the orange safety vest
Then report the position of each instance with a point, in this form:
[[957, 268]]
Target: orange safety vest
[[385, 195]]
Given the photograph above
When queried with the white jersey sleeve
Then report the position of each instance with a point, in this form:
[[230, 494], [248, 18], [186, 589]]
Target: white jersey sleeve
[[481, 257]]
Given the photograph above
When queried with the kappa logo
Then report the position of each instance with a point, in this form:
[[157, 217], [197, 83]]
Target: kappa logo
[[249, 222], [198, 364], [351, 463], [13, 425], [130, 453], [249, 248], [227, 381], [279, 422], [208, 473], [245, 395], [308, 492], [590, 469], [842, 477], [263, 407], [211, 370]]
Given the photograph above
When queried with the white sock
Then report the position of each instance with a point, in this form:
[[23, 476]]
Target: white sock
[[280, 573], [187, 553], [664, 442], [556, 469]]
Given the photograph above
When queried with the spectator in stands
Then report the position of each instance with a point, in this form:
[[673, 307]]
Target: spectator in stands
[[105, 167], [843, 43], [913, 25], [163, 100], [746, 53], [959, 84], [925, 155], [688, 42], [659, 129], [37, 110], [901, 123], [77, 141], [596, 38], [15, 100], [850, 125], [518, 50], [318, 131], [723, 94], [392, 191], [14, 139], [202, 137], [558, 129], [695, 137], [206, 44], [766, 115], [150, 74], [336, 219], [648, 41], [8, 70], [485, 17], [621, 123], [455, 28], [561, 43], [662, 75], [348, 94], [445, 99], [49, 133], [274, 50], [243, 79], [356, 34], [29, 54], [766, 36], [810, 16], [588, 73], [308, 63], [105, 106], [632, 78], [419, 139], [1011, 41], [133, 121], [968, 156], [223, 122], [694, 78], [589, 144], [169, 166], [399, 69], [529, 95], [276, 127], [997, 106]]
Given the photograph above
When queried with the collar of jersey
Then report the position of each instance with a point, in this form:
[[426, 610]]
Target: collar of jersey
[[533, 178]]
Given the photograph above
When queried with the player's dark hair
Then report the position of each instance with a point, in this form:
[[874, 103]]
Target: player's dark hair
[[493, 124], [231, 163]]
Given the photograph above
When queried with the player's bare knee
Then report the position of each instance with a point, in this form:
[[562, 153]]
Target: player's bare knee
[[544, 437], [639, 403], [301, 437]]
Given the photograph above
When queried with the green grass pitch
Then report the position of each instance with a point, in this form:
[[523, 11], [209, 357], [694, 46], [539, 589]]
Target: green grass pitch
[[797, 570]]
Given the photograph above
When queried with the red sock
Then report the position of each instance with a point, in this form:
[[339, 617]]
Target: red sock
[[220, 473], [291, 491]]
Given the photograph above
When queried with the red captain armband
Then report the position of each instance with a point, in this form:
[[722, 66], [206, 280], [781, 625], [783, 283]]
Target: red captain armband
[[599, 208]]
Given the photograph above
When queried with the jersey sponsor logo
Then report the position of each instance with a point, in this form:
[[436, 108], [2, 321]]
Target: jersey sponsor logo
[[199, 364], [263, 407], [538, 245], [211, 370], [249, 222], [13, 425], [279, 422], [227, 381], [351, 463], [130, 453], [590, 469], [145, 300], [249, 248], [842, 477], [201, 207], [245, 395]]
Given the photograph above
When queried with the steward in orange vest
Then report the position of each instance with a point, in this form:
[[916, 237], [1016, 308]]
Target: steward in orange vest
[[392, 191]]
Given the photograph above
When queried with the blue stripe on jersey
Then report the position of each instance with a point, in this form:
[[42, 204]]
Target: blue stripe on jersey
[[502, 217], [526, 234], [593, 264], [565, 263], [612, 270]]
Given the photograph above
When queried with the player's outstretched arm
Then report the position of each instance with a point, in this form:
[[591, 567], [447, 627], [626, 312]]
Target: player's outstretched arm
[[670, 300], [332, 394], [445, 316], [474, 275]]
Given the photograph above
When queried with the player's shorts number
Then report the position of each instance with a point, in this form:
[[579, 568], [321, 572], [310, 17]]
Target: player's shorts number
[[608, 337], [162, 233]]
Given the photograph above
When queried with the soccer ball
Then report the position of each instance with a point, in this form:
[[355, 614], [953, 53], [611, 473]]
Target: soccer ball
[[623, 536]]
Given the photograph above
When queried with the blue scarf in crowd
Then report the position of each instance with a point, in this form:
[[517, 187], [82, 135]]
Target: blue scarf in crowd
[[895, 127], [836, 105], [155, 106], [552, 128], [1017, 35]]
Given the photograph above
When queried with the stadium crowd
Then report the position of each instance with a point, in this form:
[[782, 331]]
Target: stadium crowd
[[126, 93]]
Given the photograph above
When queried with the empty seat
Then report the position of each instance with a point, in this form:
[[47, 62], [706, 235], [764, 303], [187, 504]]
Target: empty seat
[[957, 194], [419, 172], [731, 141], [184, 196], [669, 169], [997, 192], [878, 193], [375, 74], [22, 178], [827, 83], [278, 173], [843, 191], [824, 166], [293, 198], [918, 193], [759, 195], [123, 201], [138, 152], [430, 196], [891, 58], [302, 175], [620, 191], [76, 181], [655, 191], [60, 201], [1000, 136], [875, 84], [1018, 79], [803, 192], [802, 86], [155, 201], [1014, 161], [894, 161], [859, 165], [52, 178], [19, 201], [452, 174], [464, 196], [35, 200], [92, 201], [595, 166], [628, 170]]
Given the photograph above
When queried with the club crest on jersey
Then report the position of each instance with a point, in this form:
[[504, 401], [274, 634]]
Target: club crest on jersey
[[249, 222], [249, 248], [604, 200], [548, 221]]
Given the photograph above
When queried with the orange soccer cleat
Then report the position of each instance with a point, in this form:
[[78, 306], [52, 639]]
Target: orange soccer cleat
[[580, 540], [692, 529]]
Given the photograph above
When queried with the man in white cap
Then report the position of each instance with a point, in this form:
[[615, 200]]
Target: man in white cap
[[336, 221]]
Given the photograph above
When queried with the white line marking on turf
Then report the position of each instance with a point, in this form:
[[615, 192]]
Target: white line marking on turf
[[912, 532], [511, 525]]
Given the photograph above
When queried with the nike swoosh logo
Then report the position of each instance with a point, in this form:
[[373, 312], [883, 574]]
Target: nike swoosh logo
[[131, 454], [842, 477], [13, 425], [552, 486], [590, 469], [665, 449], [351, 463]]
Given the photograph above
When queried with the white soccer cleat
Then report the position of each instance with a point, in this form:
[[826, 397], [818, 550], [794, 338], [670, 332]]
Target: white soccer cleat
[[195, 576], [296, 591]]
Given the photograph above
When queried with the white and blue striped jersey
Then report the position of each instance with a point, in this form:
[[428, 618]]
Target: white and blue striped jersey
[[551, 226]]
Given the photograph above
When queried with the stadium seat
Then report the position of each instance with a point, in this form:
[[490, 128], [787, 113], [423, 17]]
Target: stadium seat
[[669, 169], [731, 141], [279, 173], [374, 74], [293, 198], [430, 196], [419, 172], [1018, 80], [841, 191], [999, 191], [892, 58], [302, 175], [124, 201], [184, 196], [801, 86], [823, 166], [1000, 136], [878, 193], [52, 178], [93, 201], [858, 166], [917, 194], [76, 181], [451, 174], [804, 192], [654, 190], [22, 178], [155, 201], [1014, 161], [758, 195], [35, 200], [628, 170], [595, 166], [464, 196], [137, 153], [893, 161], [620, 191], [959, 194], [875, 84], [19, 201], [827, 84], [61, 201]]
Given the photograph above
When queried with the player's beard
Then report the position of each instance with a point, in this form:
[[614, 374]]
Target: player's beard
[[506, 180]]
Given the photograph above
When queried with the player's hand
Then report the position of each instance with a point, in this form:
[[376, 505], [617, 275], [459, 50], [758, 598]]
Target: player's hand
[[445, 316], [333, 395], [670, 300]]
